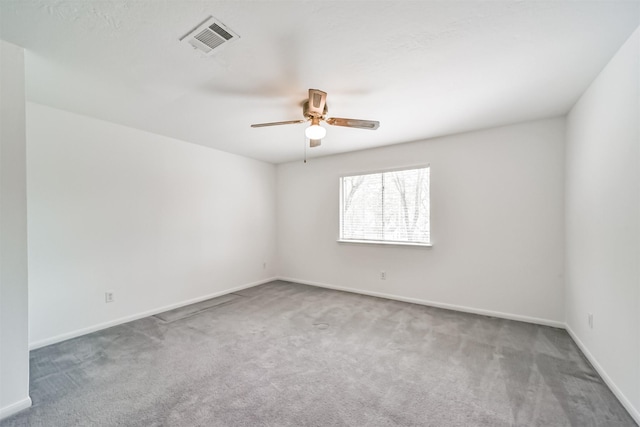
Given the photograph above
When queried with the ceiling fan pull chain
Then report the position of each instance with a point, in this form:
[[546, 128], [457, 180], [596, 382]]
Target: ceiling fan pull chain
[[304, 144]]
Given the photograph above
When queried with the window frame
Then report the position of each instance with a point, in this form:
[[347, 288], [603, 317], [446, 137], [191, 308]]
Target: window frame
[[381, 242]]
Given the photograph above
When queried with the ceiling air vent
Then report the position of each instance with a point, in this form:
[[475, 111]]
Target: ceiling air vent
[[209, 36]]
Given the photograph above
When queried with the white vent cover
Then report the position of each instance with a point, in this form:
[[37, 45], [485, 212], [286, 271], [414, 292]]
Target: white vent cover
[[209, 36]]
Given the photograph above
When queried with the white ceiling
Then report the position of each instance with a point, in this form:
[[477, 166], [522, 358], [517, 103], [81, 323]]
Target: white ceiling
[[423, 69]]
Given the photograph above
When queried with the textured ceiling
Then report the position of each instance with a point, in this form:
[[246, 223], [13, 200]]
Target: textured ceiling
[[423, 69]]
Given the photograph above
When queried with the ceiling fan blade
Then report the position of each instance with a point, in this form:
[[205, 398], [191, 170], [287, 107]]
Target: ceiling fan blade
[[353, 123], [317, 101], [314, 142], [290, 122]]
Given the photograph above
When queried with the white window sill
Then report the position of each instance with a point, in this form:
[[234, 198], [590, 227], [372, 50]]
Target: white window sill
[[385, 243]]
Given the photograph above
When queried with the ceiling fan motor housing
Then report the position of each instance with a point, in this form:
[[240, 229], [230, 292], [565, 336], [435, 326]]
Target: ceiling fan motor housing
[[316, 105], [309, 114]]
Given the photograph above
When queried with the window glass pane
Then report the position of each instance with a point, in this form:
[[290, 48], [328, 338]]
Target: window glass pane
[[361, 207], [406, 206]]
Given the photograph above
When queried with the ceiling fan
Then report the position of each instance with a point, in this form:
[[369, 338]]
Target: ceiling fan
[[315, 109]]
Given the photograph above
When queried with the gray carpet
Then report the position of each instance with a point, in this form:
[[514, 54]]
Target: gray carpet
[[284, 354]]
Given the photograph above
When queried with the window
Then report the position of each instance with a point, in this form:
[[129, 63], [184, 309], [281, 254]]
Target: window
[[387, 207]]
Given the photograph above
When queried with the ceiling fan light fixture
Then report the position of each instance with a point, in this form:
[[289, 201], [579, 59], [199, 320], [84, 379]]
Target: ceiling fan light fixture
[[315, 131]]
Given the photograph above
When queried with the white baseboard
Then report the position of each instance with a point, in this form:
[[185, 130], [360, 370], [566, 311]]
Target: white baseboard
[[14, 408], [635, 414], [79, 332], [509, 316]]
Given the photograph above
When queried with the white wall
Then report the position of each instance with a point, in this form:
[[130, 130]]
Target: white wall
[[160, 222], [14, 351], [497, 223], [603, 216]]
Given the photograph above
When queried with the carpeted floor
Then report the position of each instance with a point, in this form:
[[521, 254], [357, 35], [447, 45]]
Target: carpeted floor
[[283, 354]]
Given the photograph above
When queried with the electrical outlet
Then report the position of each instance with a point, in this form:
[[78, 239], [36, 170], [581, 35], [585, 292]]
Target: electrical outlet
[[590, 320], [108, 296], [383, 275]]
